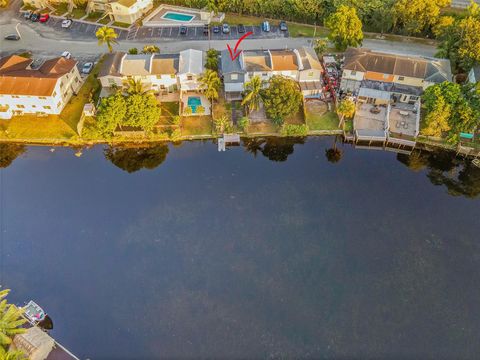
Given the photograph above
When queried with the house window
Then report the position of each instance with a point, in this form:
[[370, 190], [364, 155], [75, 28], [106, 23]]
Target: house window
[[76, 80], [59, 104], [234, 76], [189, 77], [353, 73], [264, 74], [61, 84], [162, 87], [15, 96], [34, 106], [172, 76], [42, 97], [159, 77], [413, 98], [401, 78], [54, 94], [310, 74], [20, 107], [47, 107]]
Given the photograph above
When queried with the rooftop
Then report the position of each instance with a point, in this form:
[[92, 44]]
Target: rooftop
[[284, 60], [257, 60], [165, 64], [136, 64]]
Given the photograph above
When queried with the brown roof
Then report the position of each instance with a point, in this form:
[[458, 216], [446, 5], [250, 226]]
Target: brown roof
[[165, 64], [111, 64], [16, 78], [416, 67], [284, 60]]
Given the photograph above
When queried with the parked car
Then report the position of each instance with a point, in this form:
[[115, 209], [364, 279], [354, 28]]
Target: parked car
[[67, 23], [27, 14], [206, 29], [216, 29], [183, 30], [14, 37], [44, 18], [266, 26], [226, 28], [283, 26], [35, 17], [241, 28], [66, 55], [87, 68]]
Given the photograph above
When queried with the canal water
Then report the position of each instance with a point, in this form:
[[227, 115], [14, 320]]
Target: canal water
[[278, 248]]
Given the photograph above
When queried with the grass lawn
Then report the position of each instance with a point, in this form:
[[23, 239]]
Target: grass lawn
[[348, 127], [32, 127], [262, 128], [296, 119], [121, 24], [169, 110], [304, 30], [104, 21], [78, 13], [94, 16], [196, 125], [61, 8], [235, 19], [325, 121]]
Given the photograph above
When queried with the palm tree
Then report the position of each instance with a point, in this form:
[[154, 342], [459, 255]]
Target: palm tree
[[106, 35], [12, 355], [11, 321], [253, 93], [210, 84], [135, 87], [151, 49]]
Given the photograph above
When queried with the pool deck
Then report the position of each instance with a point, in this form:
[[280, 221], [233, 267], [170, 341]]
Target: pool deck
[[204, 102], [157, 17]]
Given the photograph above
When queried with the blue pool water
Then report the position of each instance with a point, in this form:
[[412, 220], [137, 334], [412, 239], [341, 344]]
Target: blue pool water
[[178, 16], [194, 102]]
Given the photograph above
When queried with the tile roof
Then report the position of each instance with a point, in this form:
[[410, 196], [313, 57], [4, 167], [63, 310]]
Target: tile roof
[[16, 78], [257, 60], [136, 64], [429, 69], [165, 64], [284, 60]]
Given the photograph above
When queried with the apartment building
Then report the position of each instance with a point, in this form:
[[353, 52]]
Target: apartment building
[[125, 11], [42, 91]]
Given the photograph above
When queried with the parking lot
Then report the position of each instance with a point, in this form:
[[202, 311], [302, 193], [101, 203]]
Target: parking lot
[[80, 29]]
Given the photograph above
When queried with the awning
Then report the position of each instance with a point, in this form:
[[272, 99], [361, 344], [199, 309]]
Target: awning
[[374, 94]]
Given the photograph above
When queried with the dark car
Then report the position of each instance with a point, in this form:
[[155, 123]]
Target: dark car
[[35, 17], [216, 29], [183, 30], [28, 14], [14, 37], [206, 29], [283, 26], [241, 28]]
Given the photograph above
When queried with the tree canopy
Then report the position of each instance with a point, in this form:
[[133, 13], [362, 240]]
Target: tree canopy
[[108, 36], [345, 28], [11, 322], [281, 98], [416, 16]]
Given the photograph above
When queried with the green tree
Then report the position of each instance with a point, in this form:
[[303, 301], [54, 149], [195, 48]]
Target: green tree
[[134, 159], [9, 152], [151, 49], [3, 3], [345, 28], [110, 113], [346, 108], [320, 46], [281, 98], [143, 110], [210, 84], [438, 113], [135, 87], [108, 36], [133, 51], [469, 38], [252, 96], [416, 16], [11, 322], [222, 125], [211, 61]]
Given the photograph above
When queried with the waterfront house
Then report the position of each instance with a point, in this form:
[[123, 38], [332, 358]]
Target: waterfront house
[[474, 75], [387, 89], [301, 65], [42, 91]]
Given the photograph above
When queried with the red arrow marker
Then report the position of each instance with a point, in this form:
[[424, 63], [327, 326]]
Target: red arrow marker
[[234, 54]]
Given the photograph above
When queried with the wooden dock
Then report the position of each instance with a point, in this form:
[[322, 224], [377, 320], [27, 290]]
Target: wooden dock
[[228, 139]]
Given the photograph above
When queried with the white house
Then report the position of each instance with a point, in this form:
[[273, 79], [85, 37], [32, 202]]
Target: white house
[[43, 91], [301, 65]]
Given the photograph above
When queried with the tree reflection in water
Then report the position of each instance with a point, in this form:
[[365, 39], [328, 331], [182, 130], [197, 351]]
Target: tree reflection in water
[[274, 149], [132, 159], [458, 175], [9, 152]]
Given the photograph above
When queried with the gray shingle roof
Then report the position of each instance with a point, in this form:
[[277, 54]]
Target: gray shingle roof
[[229, 66], [111, 64]]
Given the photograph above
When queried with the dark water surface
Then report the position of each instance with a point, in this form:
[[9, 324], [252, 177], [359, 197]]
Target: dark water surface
[[232, 255]]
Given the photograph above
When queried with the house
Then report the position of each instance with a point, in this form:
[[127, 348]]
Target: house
[[301, 65], [474, 74], [124, 11], [172, 77], [45, 90]]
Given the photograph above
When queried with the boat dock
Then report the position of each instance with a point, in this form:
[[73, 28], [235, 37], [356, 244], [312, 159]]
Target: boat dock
[[228, 139]]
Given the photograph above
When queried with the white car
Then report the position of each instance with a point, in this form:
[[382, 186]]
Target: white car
[[66, 55], [66, 23], [87, 68]]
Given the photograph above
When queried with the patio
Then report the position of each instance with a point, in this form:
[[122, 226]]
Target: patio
[[403, 120], [370, 117], [203, 101]]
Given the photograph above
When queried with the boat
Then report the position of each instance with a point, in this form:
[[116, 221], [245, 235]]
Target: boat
[[33, 312]]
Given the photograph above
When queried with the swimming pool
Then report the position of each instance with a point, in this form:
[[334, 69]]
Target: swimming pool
[[176, 16], [194, 102]]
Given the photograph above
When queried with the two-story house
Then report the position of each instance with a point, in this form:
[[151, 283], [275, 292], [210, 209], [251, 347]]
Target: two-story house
[[45, 90], [301, 65]]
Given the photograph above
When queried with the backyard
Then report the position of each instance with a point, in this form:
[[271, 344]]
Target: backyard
[[196, 125]]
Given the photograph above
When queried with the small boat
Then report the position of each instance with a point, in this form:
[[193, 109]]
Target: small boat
[[476, 162], [33, 312]]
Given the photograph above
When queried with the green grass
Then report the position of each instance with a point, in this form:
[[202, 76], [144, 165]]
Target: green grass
[[196, 125], [305, 30], [78, 13], [326, 121], [33, 127], [235, 19], [94, 16], [348, 127], [295, 119], [169, 110], [262, 128], [121, 24], [104, 21], [61, 8]]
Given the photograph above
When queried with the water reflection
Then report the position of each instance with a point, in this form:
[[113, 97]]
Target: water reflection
[[9, 152], [132, 159], [334, 154], [458, 175], [274, 149]]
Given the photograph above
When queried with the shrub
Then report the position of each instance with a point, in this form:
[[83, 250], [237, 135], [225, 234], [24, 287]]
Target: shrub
[[294, 130], [243, 123]]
